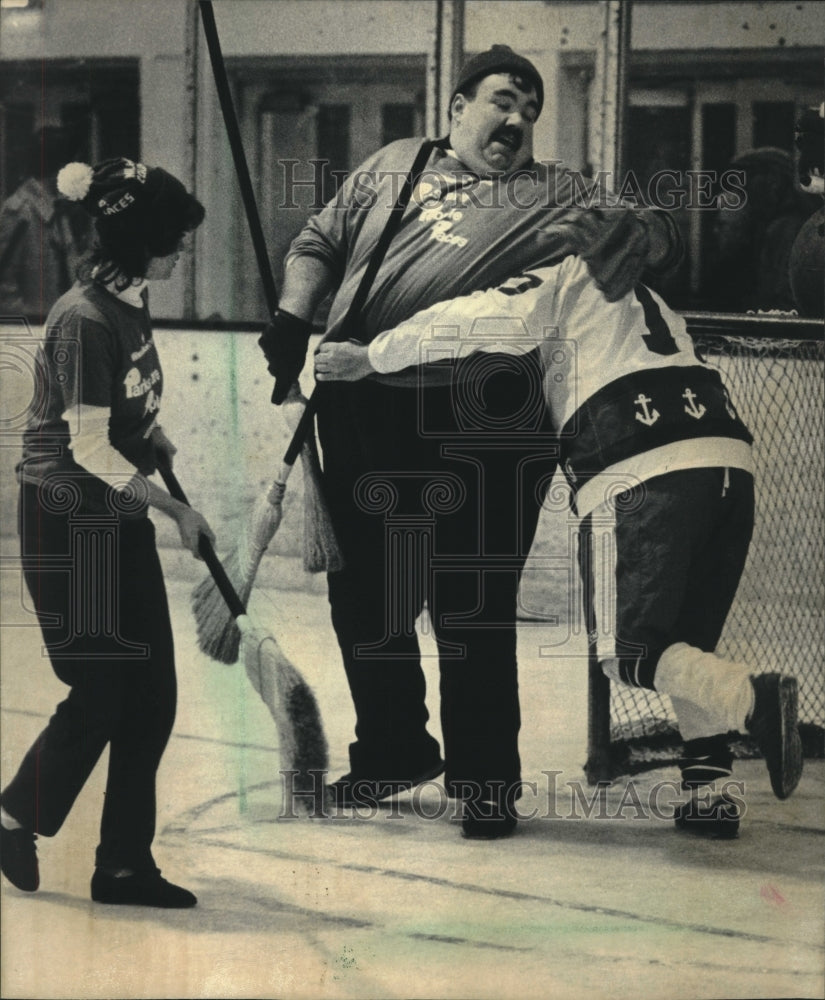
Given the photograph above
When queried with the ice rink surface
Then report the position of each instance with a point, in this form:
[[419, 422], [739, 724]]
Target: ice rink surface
[[398, 905]]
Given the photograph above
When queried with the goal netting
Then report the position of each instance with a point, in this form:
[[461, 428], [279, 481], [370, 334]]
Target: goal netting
[[777, 621]]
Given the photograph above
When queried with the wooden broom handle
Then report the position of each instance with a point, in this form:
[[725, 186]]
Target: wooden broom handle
[[224, 584], [233, 132], [253, 218]]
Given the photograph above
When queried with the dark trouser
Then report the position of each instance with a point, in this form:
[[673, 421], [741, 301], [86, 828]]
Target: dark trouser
[[681, 541], [679, 546], [429, 509], [98, 590]]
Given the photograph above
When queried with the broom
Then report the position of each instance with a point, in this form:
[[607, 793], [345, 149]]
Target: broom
[[290, 700], [218, 634]]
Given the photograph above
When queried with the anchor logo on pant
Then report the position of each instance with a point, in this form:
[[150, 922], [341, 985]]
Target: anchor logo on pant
[[647, 417], [648, 414], [692, 410]]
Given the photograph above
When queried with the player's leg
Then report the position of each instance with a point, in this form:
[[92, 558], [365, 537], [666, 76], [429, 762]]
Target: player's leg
[[368, 434], [763, 706], [713, 579], [39, 797], [661, 583], [713, 513], [706, 761], [505, 468], [143, 716], [639, 590], [473, 614]]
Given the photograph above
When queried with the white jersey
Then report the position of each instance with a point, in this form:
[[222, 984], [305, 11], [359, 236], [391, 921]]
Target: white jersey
[[627, 393]]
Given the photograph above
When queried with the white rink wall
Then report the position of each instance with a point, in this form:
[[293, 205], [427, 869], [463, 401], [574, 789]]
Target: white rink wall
[[215, 409], [230, 441]]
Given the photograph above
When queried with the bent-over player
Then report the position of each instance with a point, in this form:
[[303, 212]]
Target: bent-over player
[[650, 444]]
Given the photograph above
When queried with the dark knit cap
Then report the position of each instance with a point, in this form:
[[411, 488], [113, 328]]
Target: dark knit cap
[[498, 59], [131, 201]]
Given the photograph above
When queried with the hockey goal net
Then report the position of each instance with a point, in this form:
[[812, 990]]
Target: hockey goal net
[[774, 368]]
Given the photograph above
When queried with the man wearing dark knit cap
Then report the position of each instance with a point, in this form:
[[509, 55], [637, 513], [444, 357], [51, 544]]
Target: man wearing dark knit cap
[[435, 477], [489, 84]]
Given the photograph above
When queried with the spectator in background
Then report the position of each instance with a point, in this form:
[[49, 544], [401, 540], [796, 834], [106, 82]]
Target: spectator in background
[[753, 241], [42, 235], [807, 269]]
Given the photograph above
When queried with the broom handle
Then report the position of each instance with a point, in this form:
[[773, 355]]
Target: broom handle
[[236, 144], [253, 219], [360, 297], [228, 592]]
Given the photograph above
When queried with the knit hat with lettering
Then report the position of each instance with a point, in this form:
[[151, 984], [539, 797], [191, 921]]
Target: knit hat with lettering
[[131, 202], [498, 59]]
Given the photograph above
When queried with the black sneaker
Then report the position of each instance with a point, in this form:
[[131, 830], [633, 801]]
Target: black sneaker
[[487, 821], [140, 889], [717, 819], [18, 858], [773, 725], [357, 790]]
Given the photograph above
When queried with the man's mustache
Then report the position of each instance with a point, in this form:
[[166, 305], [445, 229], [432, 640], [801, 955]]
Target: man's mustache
[[508, 135]]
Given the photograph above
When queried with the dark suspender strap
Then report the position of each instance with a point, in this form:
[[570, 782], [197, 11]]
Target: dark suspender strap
[[390, 229], [361, 293]]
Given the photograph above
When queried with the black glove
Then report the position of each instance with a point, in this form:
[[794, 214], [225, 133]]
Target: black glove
[[614, 244], [284, 342]]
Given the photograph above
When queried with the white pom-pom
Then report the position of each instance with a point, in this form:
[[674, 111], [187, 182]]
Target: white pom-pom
[[74, 180]]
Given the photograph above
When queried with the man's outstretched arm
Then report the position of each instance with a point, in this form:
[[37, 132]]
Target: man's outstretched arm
[[284, 341]]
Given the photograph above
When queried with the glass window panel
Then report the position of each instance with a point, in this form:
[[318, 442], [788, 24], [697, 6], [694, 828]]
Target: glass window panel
[[773, 123], [397, 122]]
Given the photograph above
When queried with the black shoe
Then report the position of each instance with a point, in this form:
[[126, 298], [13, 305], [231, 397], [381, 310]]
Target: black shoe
[[18, 858], [487, 821], [717, 819], [140, 889], [357, 790], [773, 725]]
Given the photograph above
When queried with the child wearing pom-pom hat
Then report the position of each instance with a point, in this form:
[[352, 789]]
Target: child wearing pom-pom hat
[[89, 445]]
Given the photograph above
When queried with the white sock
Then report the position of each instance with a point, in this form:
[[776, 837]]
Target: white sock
[[721, 689], [694, 722], [9, 822]]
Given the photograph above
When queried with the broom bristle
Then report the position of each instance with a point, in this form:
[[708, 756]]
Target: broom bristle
[[224, 647], [321, 551], [311, 752], [294, 708], [218, 635]]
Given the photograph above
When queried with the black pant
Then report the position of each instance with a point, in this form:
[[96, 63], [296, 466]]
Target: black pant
[[680, 543], [98, 590], [435, 495]]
